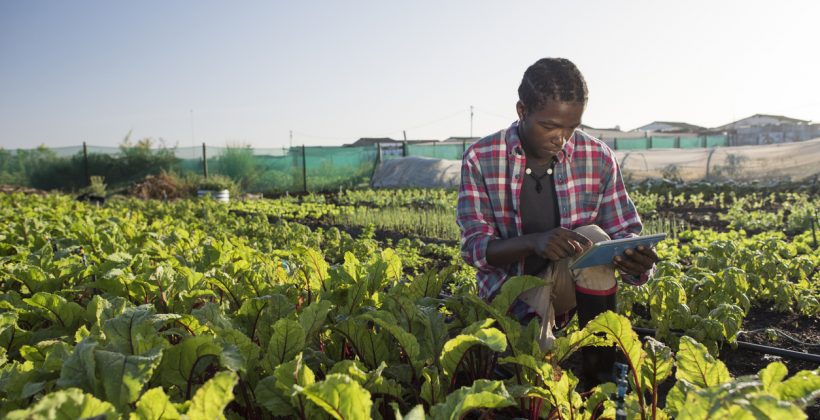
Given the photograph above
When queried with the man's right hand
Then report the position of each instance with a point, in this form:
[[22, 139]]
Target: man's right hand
[[559, 243]]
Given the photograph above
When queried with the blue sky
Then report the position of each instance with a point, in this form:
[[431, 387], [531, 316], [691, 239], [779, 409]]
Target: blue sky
[[249, 72]]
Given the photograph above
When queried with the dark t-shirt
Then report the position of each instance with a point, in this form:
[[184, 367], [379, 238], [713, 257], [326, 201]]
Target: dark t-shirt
[[539, 210]]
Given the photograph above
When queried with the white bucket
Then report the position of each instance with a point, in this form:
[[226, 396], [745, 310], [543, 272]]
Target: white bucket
[[223, 196]]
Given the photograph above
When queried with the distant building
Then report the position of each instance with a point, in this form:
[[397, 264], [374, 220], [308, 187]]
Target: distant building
[[762, 120], [461, 140], [670, 127], [385, 141], [769, 129], [610, 133]]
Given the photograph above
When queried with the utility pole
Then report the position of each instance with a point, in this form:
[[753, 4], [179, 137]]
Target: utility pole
[[291, 139], [85, 164], [405, 134], [471, 121], [204, 161]]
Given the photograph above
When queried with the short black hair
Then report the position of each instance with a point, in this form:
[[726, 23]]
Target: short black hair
[[552, 79]]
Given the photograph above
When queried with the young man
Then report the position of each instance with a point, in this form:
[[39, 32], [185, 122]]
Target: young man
[[540, 192]]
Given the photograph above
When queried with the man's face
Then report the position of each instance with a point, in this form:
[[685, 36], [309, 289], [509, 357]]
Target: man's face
[[545, 131]]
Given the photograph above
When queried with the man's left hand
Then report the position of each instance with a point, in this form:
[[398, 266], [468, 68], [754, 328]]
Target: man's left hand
[[636, 261]]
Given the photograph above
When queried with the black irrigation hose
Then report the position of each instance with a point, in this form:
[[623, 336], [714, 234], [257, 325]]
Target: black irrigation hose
[[753, 347]]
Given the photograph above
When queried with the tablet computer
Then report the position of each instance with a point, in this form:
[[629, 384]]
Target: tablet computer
[[603, 252]]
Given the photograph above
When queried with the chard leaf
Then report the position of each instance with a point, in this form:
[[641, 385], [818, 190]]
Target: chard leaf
[[211, 315], [601, 394], [384, 268], [740, 399], [481, 394], [80, 369], [278, 394], [416, 413], [278, 402], [511, 328], [340, 396], [313, 267], [566, 345], [47, 356], [355, 295], [57, 309], [512, 288], [431, 330], [676, 398], [392, 268], [233, 338], [313, 318], [619, 329], [293, 372], [530, 363], [11, 336], [191, 326], [407, 341], [135, 331], [68, 404], [123, 376], [657, 365], [257, 315], [428, 284], [287, 341], [803, 388], [696, 366], [352, 266], [278, 307], [14, 380], [772, 375], [378, 385], [455, 348], [155, 405], [432, 389], [353, 368], [210, 400], [100, 309], [183, 363], [371, 346]]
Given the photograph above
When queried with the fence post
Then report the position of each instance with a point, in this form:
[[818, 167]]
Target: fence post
[[649, 142], [304, 169], [703, 141], [378, 153], [204, 161], [85, 163], [404, 148], [615, 143], [677, 142], [463, 146]]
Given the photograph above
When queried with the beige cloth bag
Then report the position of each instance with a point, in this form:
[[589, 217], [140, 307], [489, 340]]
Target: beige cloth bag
[[559, 296]]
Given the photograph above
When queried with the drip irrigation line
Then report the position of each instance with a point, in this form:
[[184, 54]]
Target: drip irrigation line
[[783, 334], [776, 351]]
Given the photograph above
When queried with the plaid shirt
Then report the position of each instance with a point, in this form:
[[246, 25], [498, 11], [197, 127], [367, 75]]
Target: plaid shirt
[[588, 186]]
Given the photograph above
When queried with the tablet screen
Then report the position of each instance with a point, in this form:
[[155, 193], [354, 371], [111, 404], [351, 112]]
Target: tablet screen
[[603, 252]]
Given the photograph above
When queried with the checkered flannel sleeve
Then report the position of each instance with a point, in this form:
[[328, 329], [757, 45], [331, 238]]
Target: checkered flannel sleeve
[[475, 218]]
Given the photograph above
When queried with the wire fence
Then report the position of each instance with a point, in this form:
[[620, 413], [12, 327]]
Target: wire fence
[[269, 170]]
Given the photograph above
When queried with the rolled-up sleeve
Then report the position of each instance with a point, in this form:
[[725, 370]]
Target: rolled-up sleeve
[[475, 217]]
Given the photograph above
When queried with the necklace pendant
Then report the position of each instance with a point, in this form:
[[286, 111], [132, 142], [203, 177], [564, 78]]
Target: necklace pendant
[[549, 171]]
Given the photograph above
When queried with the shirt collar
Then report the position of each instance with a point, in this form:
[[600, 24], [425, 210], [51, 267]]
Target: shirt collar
[[515, 148]]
